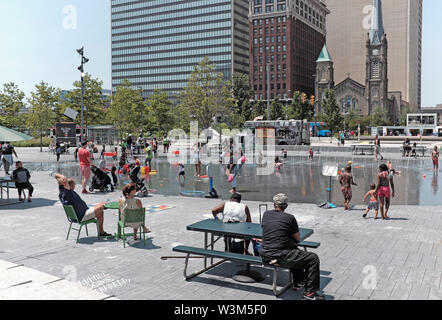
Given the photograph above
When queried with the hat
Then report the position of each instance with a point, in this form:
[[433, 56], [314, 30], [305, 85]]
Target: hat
[[280, 199]]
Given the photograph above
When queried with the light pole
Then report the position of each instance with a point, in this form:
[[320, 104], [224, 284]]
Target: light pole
[[84, 60], [268, 90]]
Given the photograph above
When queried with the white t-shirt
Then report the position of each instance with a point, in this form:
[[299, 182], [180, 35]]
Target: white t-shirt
[[234, 212]]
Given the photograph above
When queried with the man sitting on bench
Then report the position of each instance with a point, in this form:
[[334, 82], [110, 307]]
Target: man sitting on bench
[[234, 211], [69, 197], [280, 234]]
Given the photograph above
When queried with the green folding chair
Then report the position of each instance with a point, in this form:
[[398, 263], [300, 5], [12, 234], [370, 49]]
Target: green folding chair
[[72, 218], [132, 216]]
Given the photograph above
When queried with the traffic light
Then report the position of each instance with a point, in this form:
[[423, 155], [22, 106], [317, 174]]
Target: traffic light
[[312, 100], [304, 98]]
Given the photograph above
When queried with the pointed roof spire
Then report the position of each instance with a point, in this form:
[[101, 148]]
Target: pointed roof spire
[[377, 24], [325, 55]]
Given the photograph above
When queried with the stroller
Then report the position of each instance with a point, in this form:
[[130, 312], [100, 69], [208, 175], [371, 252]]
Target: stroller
[[100, 181], [141, 187]]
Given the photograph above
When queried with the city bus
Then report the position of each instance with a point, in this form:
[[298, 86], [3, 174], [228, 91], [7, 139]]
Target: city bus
[[285, 132]]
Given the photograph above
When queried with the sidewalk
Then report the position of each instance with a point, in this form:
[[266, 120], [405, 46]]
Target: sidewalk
[[360, 259]]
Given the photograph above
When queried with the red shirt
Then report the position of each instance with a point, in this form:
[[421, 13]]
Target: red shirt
[[84, 157]]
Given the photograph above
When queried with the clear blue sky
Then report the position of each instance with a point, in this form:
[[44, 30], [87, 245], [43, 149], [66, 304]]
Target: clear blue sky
[[36, 46]]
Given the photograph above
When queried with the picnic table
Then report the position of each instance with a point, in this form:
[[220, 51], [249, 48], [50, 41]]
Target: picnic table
[[419, 149], [363, 148], [6, 183], [243, 230]]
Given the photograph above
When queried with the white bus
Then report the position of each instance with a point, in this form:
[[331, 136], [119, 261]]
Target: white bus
[[286, 132]]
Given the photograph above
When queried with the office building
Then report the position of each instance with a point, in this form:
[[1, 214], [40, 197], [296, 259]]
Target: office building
[[156, 44], [287, 37], [347, 28]]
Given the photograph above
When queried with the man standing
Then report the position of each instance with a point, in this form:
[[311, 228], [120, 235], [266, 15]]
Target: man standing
[[280, 234], [85, 165], [7, 151], [69, 197], [346, 181]]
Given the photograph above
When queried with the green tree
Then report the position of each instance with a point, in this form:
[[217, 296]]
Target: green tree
[[11, 102], [331, 113], [42, 103], [127, 111], [94, 102], [403, 116], [259, 108], [202, 98], [352, 120], [379, 117], [237, 94], [160, 113], [277, 110]]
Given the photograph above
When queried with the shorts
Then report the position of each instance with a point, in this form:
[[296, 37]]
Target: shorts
[[89, 215], [384, 192], [373, 205], [346, 191], [182, 174], [86, 172], [436, 162]]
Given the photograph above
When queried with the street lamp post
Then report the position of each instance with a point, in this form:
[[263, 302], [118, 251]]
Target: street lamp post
[[84, 60], [268, 91]]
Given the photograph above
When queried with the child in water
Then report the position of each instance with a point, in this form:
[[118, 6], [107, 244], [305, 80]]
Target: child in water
[[310, 154], [373, 203]]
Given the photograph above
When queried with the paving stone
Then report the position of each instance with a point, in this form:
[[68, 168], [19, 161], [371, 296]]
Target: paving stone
[[401, 291], [419, 293]]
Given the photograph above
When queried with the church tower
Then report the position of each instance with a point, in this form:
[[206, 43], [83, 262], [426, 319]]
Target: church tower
[[376, 87], [324, 76]]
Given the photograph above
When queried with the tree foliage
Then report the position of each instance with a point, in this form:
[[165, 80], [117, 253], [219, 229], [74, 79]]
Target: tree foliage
[[331, 112], [299, 110], [159, 111], [41, 115], [202, 98], [127, 110], [11, 102]]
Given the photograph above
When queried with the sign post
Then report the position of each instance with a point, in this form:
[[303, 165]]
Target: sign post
[[329, 170]]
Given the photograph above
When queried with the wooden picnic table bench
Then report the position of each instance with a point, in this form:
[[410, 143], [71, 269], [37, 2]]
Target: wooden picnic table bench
[[419, 149]]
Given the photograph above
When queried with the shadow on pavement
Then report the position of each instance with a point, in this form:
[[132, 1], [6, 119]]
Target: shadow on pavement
[[36, 203]]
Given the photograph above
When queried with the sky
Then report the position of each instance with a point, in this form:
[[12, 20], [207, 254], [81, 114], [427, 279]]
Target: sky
[[39, 41]]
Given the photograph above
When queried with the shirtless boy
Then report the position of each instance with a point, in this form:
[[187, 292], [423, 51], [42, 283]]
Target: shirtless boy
[[435, 157], [373, 204]]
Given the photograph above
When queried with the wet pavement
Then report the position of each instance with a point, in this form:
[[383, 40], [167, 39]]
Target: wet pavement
[[300, 178]]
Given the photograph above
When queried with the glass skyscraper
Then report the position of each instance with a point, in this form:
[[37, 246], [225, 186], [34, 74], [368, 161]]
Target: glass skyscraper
[[157, 43]]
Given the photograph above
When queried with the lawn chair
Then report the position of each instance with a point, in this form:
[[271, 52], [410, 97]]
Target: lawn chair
[[132, 216], [72, 218]]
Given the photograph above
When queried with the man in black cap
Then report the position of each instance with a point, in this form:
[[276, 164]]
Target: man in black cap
[[280, 233]]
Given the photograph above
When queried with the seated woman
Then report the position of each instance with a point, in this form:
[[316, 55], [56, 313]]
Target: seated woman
[[21, 177], [129, 202]]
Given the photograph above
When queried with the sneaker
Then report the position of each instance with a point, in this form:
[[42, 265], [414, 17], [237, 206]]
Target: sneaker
[[84, 192], [298, 286], [364, 216], [313, 296], [105, 235]]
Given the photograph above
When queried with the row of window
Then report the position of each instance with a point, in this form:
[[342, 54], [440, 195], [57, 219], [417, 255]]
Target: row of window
[[148, 9], [279, 67], [271, 58], [175, 23], [271, 39], [190, 52], [310, 14], [260, 22], [271, 8], [272, 96], [278, 86], [174, 46], [270, 49], [174, 38], [174, 61], [278, 76], [166, 70], [173, 31], [271, 30], [172, 16]]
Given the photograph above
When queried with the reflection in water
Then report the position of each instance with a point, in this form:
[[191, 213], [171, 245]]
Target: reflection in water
[[299, 178]]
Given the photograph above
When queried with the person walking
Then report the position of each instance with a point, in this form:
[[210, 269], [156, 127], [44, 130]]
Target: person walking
[[384, 180], [7, 152], [280, 234], [149, 156], [346, 181], [377, 146], [85, 165], [58, 151]]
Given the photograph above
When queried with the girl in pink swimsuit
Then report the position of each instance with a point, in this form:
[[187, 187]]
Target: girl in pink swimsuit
[[383, 189]]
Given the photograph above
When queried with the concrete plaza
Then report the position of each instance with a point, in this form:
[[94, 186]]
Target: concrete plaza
[[360, 259]]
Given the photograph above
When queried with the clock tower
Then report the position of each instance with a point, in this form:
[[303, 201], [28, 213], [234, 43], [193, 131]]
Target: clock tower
[[376, 86]]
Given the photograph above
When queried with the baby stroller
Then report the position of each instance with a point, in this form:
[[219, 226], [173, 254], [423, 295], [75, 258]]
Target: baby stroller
[[141, 187], [100, 181]]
